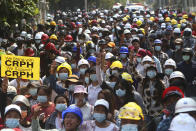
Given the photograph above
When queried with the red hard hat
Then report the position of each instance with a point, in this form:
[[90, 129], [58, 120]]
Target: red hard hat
[[50, 46], [141, 53], [44, 38], [94, 22], [68, 38], [73, 24], [29, 52]]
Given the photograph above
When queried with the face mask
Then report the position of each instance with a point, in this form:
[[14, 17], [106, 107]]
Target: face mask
[[171, 107], [76, 100], [42, 99], [123, 56], [129, 127], [146, 66], [37, 41], [186, 57], [99, 117], [61, 107], [63, 76], [33, 92], [86, 79], [82, 71], [71, 88], [109, 49], [114, 72], [12, 122], [111, 84], [178, 47], [91, 51], [93, 77], [168, 71], [151, 74], [157, 48], [139, 59], [73, 66], [120, 92]]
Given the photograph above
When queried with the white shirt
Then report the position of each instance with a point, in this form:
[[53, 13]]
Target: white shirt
[[24, 128], [22, 83], [87, 111], [109, 128], [93, 92]]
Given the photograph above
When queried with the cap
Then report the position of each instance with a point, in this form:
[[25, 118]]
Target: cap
[[111, 44], [73, 78], [80, 89], [103, 103], [21, 99], [172, 90], [12, 107], [108, 56], [178, 41], [11, 90]]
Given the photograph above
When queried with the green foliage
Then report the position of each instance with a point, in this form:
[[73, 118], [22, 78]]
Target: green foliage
[[12, 11]]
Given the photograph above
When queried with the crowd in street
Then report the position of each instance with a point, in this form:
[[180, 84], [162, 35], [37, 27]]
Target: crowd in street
[[104, 70]]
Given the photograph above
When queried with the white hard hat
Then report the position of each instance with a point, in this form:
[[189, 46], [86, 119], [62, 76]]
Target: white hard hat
[[12, 107], [102, 102], [177, 74], [78, 10], [87, 31], [108, 55], [163, 25], [134, 16], [170, 62], [93, 12], [188, 29], [38, 36], [127, 31], [127, 26], [160, 15], [83, 62], [147, 58], [185, 105], [142, 19], [94, 28], [135, 20], [183, 122], [60, 59], [147, 16], [11, 90], [177, 30], [23, 34]]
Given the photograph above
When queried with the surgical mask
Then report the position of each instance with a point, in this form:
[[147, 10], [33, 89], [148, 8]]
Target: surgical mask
[[146, 66], [139, 59], [82, 71], [37, 41], [12, 122], [178, 47], [123, 56], [33, 92], [91, 51], [73, 66], [42, 99], [157, 48], [151, 74], [99, 117], [120, 92], [93, 77], [71, 88], [76, 100], [86, 79], [111, 84], [129, 127], [186, 57], [63, 76], [61, 107], [168, 71]]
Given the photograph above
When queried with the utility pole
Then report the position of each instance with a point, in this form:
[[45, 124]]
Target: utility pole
[[86, 5]]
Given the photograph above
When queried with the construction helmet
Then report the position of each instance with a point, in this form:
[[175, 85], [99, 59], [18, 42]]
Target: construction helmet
[[53, 23], [68, 38], [126, 76], [151, 18], [167, 19], [116, 64], [170, 62], [186, 104], [53, 37], [21, 99], [147, 58], [67, 66], [131, 111], [177, 74], [174, 22], [139, 23], [185, 16]]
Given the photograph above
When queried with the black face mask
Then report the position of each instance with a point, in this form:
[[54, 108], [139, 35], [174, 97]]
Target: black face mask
[[178, 82]]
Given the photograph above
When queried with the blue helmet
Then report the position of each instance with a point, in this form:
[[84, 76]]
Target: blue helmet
[[92, 59], [73, 109], [74, 49], [124, 50], [169, 28], [157, 41]]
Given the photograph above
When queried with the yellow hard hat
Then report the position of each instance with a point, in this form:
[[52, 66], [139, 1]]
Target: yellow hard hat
[[53, 23], [167, 19], [67, 66], [182, 21], [174, 14], [116, 64], [126, 76], [179, 26], [131, 111], [53, 37], [125, 19], [185, 16], [127, 16], [139, 23], [193, 14], [89, 42], [143, 31], [151, 18], [111, 44], [174, 22]]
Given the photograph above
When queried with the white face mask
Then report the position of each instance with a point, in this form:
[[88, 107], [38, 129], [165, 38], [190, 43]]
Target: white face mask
[[129, 127]]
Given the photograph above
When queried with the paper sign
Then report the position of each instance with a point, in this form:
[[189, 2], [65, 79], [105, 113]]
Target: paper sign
[[20, 67]]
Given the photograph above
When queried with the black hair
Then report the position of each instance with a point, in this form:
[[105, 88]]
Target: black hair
[[46, 89], [55, 99]]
